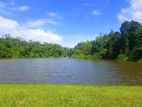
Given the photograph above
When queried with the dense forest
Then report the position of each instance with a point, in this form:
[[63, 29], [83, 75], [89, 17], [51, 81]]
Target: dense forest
[[125, 44]]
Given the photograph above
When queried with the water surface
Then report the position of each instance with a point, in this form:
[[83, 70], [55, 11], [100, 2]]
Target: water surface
[[70, 71]]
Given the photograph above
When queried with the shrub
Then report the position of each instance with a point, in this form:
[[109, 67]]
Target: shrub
[[122, 57]]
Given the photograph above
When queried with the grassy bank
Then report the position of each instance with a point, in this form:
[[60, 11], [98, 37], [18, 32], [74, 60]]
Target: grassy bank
[[69, 96]]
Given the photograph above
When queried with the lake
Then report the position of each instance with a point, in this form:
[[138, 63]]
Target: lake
[[70, 71]]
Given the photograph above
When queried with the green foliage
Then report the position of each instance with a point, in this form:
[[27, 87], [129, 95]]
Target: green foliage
[[140, 61], [17, 48], [96, 56], [82, 50], [136, 54], [122, 57], [124, 45], [131, 37]]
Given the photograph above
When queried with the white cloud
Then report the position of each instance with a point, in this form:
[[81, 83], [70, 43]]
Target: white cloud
[[20, 8], [96, 12], [23, 8], [133, 12], [28, 33], [53, 14], [72, 40], [9, 8], [38, 35], [7, 25], [40, 22]]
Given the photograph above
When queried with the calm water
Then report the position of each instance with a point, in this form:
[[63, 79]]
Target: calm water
[[70, 71]]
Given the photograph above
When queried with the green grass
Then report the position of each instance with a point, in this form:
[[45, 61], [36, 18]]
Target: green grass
[[69, 96]]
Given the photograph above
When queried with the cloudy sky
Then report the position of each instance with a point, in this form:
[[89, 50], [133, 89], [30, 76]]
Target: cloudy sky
[[65, 22]]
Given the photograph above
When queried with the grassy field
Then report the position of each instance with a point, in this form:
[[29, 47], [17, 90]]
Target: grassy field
[[69, 96]]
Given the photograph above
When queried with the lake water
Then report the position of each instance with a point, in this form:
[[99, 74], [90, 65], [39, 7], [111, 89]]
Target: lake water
[[70, 71]]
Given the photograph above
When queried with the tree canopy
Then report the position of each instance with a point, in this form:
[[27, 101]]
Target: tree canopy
[[18, 48], [126, 44]]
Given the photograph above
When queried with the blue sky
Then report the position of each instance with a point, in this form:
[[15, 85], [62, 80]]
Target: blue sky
[[65, 22]]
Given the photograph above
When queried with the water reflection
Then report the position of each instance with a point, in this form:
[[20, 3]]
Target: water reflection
[[70, 71]]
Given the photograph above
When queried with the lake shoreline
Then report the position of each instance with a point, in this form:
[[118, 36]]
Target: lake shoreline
[[140, 62]]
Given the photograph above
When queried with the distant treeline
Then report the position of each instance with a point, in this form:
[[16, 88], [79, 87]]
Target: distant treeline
[[123, 45], [18, 48]]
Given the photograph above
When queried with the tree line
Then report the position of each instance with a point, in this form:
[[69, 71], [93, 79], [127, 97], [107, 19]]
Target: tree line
[[18, 48], [125, 44]]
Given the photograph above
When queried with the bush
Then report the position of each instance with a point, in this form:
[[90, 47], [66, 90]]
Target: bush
[[95, 56], [140, 61], [122, 57]]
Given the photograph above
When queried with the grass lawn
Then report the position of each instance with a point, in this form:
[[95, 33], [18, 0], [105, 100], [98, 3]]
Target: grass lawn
[[69, 96]]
